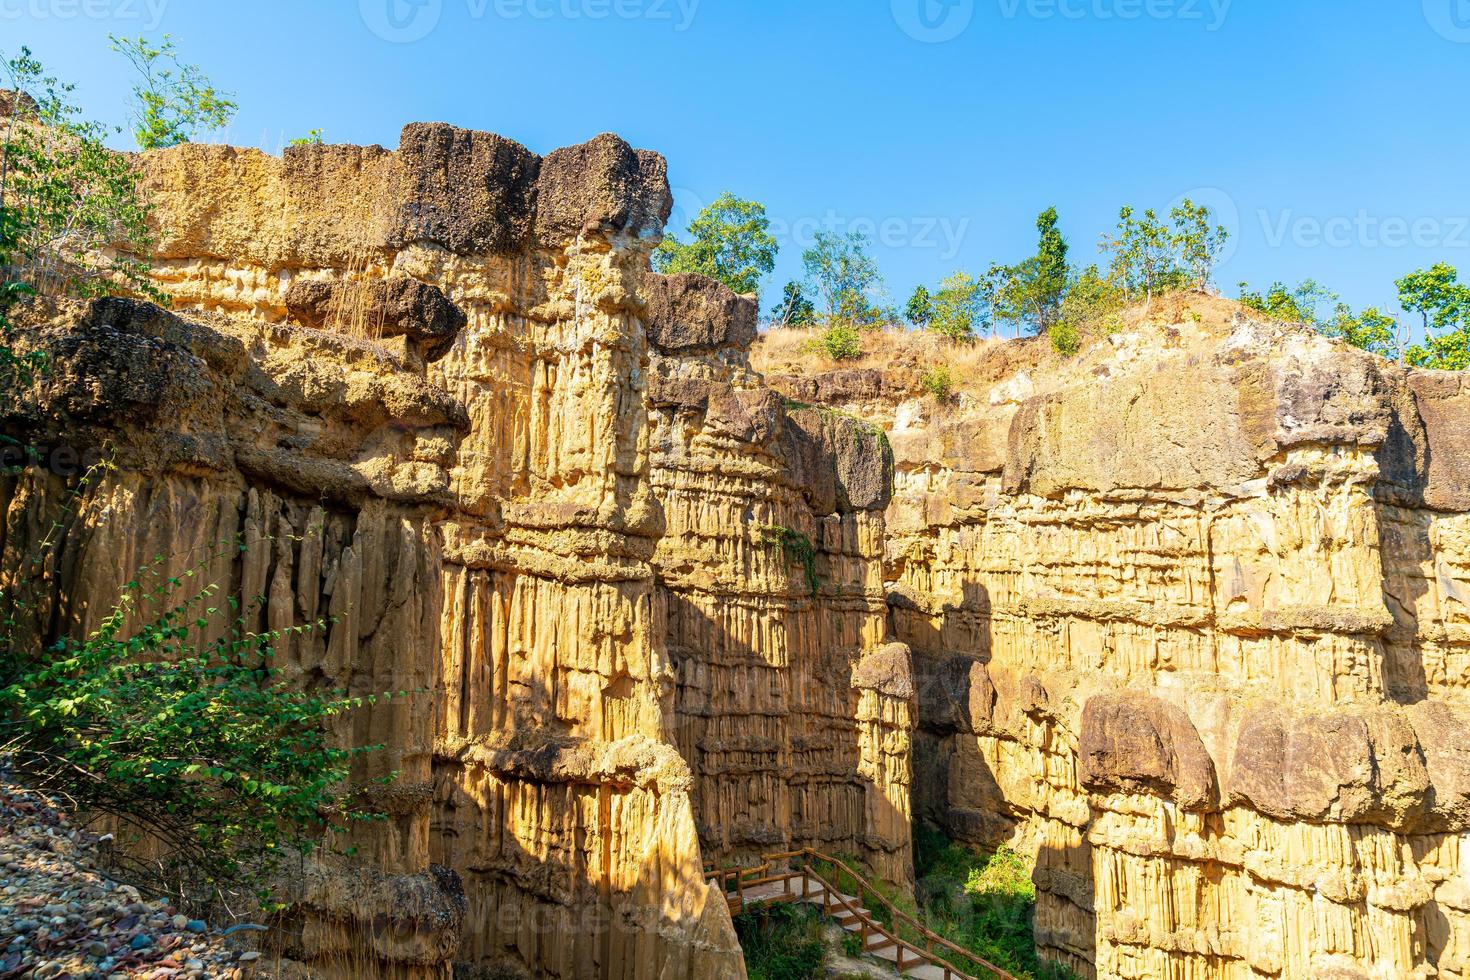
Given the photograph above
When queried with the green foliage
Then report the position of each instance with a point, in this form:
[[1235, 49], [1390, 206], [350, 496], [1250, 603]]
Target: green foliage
[[782, 942], [313, 137], [1199, 245], [16, 369], [1049, 271], [68, 200], [794, 310], [172, 101], [983, 902], [1032, 292], [1299, 305], [1443, 303], [183, 729], [956, 307], [920, 308], [1371, 330], [1093, 305], [729, 241], [843, 275], [1143, 254], [1065, 337], [841, 342], [938, 382], [796, 549]]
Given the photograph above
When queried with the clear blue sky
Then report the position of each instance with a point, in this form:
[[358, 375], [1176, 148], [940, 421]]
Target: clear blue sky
[[1330, 133]]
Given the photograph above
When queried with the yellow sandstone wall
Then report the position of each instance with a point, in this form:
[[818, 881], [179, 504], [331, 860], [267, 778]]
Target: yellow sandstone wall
[[1188, 617]]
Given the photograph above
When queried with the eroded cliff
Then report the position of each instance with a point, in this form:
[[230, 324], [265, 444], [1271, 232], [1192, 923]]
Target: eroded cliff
[[435, 400], [1188, 616]]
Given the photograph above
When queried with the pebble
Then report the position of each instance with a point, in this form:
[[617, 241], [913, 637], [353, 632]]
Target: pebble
[[60, 919]]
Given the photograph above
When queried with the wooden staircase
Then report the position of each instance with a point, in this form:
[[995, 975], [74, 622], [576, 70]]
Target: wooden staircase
[[804, 876]]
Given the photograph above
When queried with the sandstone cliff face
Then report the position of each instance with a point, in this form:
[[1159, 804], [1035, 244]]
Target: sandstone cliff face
[[1189, 622], [793, 715], [414, 383], [445, 406]]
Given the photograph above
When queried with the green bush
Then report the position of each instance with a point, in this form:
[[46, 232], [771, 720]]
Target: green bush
[[938, 382], [197, 746], [840, 342], [782, 942], [983, 902]]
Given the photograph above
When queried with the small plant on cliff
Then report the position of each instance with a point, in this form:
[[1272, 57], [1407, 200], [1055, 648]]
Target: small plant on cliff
[[840, 342], [172, 101], [796, 549], [313, 137], [191, 742], [74, 206], [729, 241], [938, 381]]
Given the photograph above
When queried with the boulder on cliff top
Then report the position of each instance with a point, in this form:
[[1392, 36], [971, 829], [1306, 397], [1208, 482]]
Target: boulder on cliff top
[[688, 312]]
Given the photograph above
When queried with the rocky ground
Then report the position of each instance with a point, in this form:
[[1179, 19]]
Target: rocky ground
[[60, 918]]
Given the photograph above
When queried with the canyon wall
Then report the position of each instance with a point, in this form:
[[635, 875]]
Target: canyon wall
[[1189, 622], [434, 404]]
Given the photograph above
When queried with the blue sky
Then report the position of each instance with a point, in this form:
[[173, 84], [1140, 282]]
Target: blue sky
[[1329, 134]]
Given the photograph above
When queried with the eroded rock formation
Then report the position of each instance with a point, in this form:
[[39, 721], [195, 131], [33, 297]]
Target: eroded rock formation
[[450, 413], [1189, 619], [1185, 616]]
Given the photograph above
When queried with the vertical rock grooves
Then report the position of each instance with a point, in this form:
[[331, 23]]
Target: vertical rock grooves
[[1189, 620], [446, 406]]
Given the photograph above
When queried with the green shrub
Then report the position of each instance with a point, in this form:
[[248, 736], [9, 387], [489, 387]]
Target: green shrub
[[938, 382], [983, 902], [840, 342], [782, 942], [199, 747], [1065, 336]]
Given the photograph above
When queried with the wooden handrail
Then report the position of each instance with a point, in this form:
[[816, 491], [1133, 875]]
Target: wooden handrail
[[867, 924]]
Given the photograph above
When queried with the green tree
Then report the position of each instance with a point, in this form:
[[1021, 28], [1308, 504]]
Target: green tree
[[1371, 330], [1443, 304], [730, 241], [1143, 254], [794, 310], [843, 275], [172, 101], [313, 137], [1047, 281], [1199, 245], [920, 308], [1299, 305], [75, 213], [957, 306], [1030, 293]]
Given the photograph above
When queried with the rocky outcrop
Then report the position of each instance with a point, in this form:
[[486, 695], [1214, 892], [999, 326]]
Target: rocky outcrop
[[1189, 619], [411, 384], [793, 714], [434, 402]]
